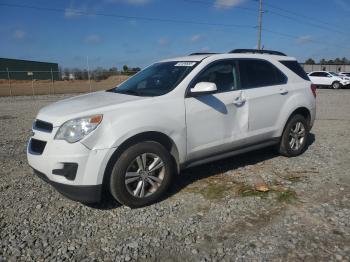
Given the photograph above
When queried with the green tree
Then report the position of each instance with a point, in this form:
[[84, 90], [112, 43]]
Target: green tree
[[310, 61], [345, 61], [323, 61], [338, 61], [125, 68]]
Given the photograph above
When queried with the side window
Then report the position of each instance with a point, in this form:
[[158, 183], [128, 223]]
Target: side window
[[259, 73], [323, 74], [315, 74], [223, 74]]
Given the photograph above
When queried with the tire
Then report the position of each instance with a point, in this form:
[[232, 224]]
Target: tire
[[132, 184], [336, 85], [287, 147]]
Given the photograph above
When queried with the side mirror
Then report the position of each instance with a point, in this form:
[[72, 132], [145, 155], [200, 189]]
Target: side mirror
[[203, 88]]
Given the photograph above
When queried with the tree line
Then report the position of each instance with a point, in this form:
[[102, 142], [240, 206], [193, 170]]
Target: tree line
[[98, 74], [337, 61]]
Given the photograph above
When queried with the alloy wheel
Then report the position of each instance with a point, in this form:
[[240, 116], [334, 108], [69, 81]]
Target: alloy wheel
[[336, 85], [144, 175], [297, 136]]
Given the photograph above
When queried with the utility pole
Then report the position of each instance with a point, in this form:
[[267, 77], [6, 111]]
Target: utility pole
[[260, 24], [88, 69]]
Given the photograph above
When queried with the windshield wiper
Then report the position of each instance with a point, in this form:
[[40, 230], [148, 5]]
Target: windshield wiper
[[128, 92]]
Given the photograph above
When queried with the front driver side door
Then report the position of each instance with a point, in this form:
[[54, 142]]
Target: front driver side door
[[216, 122]]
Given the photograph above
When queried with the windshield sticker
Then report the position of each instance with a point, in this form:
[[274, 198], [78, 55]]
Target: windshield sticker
[[185, 64]]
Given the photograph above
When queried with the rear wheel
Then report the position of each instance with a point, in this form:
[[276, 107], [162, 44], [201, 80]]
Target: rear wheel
[[295, 137], [336, 85], [142, 174]]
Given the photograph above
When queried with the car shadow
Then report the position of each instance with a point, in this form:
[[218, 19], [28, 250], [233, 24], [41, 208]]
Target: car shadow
[[107, 203], [194, 174], [213, 102]]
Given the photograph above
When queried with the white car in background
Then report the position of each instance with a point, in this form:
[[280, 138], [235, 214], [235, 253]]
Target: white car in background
[[345, 75], [328, 79]]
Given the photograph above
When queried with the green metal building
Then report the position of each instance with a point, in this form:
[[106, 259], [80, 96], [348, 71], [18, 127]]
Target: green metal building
[[28, 70]]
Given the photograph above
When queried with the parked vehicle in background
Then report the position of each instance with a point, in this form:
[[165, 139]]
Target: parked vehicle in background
[[328, 79], [131, 140], [344, 74], [344, 77]]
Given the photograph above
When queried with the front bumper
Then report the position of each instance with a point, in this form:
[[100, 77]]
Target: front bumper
[[83, 194], [345, 83], [73, 169]]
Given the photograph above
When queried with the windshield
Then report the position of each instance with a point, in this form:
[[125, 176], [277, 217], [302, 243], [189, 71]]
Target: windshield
[[334, 74], [156, 80]]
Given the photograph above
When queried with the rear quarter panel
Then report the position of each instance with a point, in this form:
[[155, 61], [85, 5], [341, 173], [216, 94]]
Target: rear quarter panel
[[299, 96]]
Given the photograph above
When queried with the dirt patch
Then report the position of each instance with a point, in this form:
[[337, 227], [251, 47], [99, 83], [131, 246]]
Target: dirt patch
[[7, 117]]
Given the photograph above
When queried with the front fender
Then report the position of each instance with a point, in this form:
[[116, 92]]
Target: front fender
[[119, 125]]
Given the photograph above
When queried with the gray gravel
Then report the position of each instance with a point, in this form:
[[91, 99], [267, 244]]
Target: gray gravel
[[212, 213]]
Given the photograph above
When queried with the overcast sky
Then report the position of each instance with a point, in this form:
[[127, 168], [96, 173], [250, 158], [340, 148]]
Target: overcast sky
[[139, 32]]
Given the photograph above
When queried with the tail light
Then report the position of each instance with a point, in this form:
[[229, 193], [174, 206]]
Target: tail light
[[313, 89]]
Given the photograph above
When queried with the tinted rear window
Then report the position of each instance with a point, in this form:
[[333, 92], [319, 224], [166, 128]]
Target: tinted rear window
[[259, 73], [296, 68]]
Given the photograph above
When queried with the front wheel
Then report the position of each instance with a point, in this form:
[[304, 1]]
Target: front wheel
[[141, 175], [336, 85], [295, 137]]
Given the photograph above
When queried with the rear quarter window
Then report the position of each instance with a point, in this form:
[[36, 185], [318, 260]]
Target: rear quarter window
[[296, 68]]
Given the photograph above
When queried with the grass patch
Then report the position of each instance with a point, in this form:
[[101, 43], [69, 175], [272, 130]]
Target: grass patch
[[217, 191], [287, 196], [210, 191]]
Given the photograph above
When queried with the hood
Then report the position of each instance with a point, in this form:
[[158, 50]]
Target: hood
[[83, 105]]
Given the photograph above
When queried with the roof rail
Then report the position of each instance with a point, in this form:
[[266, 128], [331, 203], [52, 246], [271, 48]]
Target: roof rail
[[204, 53], [256, 51]]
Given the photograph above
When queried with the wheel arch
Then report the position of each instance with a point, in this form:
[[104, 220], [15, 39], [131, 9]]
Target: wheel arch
[[305, 112], [302, 110], [155, 136]]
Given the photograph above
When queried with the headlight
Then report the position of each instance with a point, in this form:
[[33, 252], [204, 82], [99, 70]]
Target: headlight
[[76, 129]]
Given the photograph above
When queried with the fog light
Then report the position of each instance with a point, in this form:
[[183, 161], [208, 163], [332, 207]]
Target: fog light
[[69, 171]]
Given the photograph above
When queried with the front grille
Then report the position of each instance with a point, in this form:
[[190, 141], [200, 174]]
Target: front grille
[[37, 146], [43, 126]]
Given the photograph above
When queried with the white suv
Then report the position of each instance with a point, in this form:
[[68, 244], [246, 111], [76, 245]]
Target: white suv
[[344, 75], [328, 79], [131, 140]]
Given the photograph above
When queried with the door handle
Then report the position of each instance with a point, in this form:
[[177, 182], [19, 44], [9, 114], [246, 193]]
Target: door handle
[[239, 101], [283, 91]]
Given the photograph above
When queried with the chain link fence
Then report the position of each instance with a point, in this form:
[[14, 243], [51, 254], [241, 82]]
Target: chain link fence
[[17, 83]]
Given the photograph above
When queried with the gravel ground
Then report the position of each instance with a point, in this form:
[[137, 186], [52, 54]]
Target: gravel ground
[[212, 213]]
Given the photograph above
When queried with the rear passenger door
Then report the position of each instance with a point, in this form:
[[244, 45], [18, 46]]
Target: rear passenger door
[[265, 91], [316, 78]]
